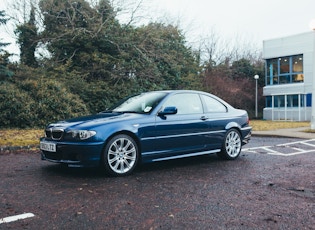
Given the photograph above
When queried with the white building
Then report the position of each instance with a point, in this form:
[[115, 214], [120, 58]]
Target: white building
[[290, 72]]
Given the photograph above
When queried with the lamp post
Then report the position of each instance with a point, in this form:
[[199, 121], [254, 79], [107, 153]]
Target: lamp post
[[256, 77], [312, 27], [312, 24]]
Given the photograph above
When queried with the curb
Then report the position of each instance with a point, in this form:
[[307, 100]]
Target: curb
[[289, 133], [15, 148]]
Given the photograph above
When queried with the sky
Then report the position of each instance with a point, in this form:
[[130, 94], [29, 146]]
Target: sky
[[255, 19], [250, 20]]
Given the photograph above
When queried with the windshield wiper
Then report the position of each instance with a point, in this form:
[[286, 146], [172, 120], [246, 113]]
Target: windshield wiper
[[121, 112], [110, 111], [127, 111]]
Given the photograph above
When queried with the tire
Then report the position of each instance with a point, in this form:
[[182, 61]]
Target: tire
[[232, 145], [120, 155]]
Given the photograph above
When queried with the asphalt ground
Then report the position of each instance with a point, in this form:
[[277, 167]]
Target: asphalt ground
[[259, 190]]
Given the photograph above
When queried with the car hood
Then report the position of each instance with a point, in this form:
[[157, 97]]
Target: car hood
[[91, 121]]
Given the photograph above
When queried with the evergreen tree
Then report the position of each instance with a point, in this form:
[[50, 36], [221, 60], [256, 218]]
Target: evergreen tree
[[27, 39], [4, 55]]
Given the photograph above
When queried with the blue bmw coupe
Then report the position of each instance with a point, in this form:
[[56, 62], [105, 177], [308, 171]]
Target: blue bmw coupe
[[148, 127]]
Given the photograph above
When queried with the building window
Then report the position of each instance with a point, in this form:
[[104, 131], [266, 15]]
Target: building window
[[284, 70], [297, 68], [279, 101], [309, 100], [272, 72], [269, 101], [289, 101], [293, 100]]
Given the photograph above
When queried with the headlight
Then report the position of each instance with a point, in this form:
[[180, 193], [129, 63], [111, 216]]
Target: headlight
[[82, 134]]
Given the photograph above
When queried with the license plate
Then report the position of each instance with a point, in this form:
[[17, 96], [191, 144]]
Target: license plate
[[48, 146]]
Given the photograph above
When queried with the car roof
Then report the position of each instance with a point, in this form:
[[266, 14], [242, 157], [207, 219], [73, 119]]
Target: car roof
[[194, 91], [183, 91], [179, 91]]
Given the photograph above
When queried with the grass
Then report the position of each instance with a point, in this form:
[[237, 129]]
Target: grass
[[20, 137], [263, 125], [30, 137]]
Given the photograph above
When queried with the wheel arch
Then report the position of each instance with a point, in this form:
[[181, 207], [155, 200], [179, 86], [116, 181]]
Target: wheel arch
[[125, 132], [225, 153], [233, 125]]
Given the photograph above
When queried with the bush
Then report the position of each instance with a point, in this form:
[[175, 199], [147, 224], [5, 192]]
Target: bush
[[16, 107], [34, 103], [53, 101]]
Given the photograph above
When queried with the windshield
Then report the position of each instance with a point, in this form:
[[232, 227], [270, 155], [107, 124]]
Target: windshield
[[142, 103]]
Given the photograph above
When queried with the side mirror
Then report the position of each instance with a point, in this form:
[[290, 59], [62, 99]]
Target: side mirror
[[168, 111]]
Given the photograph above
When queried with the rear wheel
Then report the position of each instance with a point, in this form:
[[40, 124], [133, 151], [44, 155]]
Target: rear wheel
[[232, 145], [121, 155]]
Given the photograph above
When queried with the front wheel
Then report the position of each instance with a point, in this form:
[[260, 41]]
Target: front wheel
[[232, 145], [121, 155]]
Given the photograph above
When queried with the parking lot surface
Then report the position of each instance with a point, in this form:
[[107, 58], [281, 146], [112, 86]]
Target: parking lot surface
[[270, 186]]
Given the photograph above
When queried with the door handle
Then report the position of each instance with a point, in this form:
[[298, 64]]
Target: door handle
[[204, 118]]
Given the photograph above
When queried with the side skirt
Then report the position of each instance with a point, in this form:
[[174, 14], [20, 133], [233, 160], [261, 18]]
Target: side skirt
[[187, 155]]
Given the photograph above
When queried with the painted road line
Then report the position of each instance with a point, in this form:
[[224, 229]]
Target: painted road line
[[15, 218]]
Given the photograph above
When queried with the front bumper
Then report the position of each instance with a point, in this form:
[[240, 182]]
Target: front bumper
[[75, 154]]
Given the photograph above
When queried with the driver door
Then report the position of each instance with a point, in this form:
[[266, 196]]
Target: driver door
[[183, 132]]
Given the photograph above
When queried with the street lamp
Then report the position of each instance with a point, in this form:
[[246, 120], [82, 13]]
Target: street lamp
[[256, 77], [312, 24]]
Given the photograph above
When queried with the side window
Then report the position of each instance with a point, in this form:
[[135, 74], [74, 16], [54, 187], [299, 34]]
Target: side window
[[213, 106], [186, 103]]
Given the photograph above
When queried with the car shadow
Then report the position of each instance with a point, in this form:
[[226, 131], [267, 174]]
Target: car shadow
[[178, 163], [192, 164]]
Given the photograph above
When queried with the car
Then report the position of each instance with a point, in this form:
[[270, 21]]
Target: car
[[148, 127]]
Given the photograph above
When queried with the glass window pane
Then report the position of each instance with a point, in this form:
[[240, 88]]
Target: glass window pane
[[212, 105], [309, 100], [268, 80], [297, 64], [142, 103], [284, 65], [186, 103], [293, 100], [298, 77], [272, 71], [289, 100], [302, 100], [284, 79], [279, 101], [275, 101], [269, 101]]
